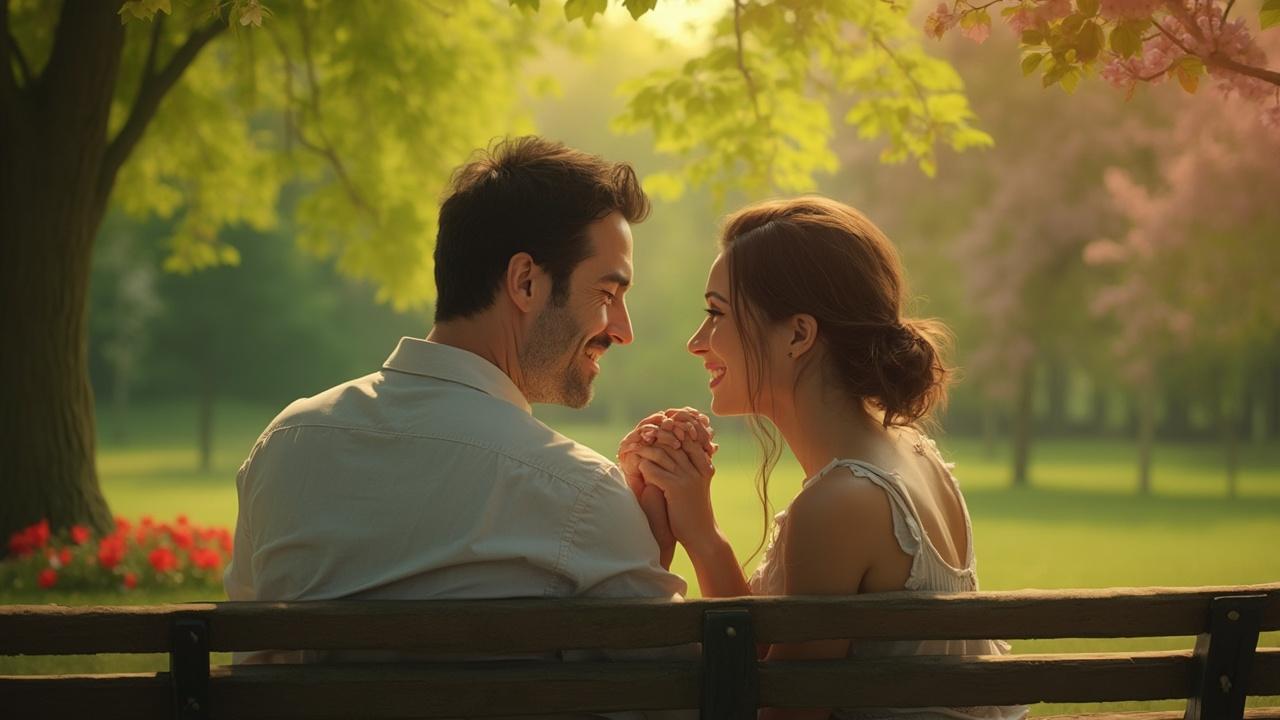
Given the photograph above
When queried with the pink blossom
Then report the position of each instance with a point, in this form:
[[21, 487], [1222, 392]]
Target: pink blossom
[[940, 21], [1128, 9]]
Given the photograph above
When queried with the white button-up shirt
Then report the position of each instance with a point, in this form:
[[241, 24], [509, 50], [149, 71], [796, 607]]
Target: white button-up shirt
[[432, 479]]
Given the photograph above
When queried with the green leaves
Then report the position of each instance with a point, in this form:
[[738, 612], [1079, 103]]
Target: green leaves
[[763, 126], [638, 8], [1089, 42], [1031, 62], [1126, 37], [1269, 16], [1188, 71], [585, 9]]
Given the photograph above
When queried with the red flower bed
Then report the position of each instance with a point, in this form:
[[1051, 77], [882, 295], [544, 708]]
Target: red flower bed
[[143, 555]]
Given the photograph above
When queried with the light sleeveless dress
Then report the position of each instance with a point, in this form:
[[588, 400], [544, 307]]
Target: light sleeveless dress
[[929, 572]]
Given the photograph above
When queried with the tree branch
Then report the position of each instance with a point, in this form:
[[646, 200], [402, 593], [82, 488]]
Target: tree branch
[[325, 147], [1217, 59], [915, 84], [7, 45], [1226, 12], [149, 67], [1172, 37], [150, 93], [16, 50], [742, 63]]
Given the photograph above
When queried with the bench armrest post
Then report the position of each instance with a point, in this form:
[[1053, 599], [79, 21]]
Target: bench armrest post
[[729, 675], [1223, 658], [189, 668]]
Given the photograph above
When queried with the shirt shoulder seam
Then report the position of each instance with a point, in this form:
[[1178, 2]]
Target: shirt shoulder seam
[[597, 473]]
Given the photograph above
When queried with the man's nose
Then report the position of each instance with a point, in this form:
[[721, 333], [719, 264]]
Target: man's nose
[[620, 325]]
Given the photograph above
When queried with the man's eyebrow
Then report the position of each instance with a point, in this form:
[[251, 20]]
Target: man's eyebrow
[[716, 295], [616, 277]]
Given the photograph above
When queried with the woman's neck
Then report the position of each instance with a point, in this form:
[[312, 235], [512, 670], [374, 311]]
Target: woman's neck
[[819, 425]]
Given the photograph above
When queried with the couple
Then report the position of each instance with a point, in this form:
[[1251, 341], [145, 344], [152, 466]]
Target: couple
[[431, 478]]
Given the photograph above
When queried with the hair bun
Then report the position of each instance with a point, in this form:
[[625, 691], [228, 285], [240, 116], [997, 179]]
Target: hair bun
[[909, 375]]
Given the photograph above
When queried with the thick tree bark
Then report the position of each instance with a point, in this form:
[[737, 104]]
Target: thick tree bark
[[57, 175], [1022, 425], [54, 135]]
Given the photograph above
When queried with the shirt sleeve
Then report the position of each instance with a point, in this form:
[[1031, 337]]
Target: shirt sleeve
[[237, 580], [611, 553]]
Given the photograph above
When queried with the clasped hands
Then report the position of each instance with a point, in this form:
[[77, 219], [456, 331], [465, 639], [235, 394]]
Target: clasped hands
[[666, 461]]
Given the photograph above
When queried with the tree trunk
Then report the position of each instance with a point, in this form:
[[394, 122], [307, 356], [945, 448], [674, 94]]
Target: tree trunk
[[205, 420], [1098, 411], [122, 381], [1176, 423], [1271, 413], [1057, 385], [1146, 425], [989, 429], [1022, 425], [53, 136]]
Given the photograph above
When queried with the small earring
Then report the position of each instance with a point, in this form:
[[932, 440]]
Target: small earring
[[791, 354]]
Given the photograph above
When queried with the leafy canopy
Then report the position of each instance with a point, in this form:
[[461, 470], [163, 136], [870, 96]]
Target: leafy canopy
[[352, 120]]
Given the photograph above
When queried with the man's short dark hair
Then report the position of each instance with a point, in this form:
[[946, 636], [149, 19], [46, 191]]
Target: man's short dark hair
[[525, 194]]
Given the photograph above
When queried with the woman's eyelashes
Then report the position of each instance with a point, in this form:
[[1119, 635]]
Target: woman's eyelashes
[[712, 312]]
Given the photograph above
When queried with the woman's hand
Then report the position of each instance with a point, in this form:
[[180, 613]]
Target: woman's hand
[[676, 462], [687, 422]]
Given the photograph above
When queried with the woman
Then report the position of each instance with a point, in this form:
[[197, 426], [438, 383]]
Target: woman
[[804, 328]]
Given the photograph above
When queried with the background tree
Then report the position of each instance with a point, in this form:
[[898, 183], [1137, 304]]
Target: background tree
[[1133, 42], [211, 130], [1195, 273]]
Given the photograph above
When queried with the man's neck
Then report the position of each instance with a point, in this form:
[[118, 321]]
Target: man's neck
[[484, 336]]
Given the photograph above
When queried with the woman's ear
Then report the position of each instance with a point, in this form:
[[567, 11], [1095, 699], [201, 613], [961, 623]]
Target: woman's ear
[[803, 333], [522, 281]]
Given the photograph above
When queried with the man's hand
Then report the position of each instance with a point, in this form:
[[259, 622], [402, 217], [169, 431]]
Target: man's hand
[[670, 427]]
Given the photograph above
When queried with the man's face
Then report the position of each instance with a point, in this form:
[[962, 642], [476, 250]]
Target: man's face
[[561, 358]]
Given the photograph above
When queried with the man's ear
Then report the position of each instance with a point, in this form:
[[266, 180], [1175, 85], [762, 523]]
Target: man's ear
[[524, 282], [803, 330]]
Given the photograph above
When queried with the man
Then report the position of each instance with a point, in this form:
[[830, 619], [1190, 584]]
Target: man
[[430, 478]]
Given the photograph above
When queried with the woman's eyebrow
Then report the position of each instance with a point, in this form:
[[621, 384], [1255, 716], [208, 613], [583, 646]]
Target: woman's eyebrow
[[716, 295]]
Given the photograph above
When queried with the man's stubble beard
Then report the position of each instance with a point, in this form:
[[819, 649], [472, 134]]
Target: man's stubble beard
[[549, 361]]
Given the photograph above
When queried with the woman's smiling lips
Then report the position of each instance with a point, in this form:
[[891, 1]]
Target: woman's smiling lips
[[717, 373]]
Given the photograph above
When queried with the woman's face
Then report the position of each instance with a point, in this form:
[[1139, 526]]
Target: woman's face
[[719, 345]]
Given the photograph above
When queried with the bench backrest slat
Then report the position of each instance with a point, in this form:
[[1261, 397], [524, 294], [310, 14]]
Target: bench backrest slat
[[517, 626], [478, 689]]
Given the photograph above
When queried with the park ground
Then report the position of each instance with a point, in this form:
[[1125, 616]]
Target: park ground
[[1080, 523]]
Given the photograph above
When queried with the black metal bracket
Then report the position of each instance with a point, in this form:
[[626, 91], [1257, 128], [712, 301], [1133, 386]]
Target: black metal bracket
[[189, 669], [1224, 657], [730, 686]]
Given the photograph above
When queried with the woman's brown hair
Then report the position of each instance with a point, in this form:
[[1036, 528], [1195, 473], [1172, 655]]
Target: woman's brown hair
[[819, 257]]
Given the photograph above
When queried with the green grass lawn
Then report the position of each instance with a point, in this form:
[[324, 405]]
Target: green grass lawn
[[1080, 524]]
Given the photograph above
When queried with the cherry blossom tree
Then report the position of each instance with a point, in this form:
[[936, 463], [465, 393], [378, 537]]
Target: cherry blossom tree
[[1133, 42], [1194, 277]]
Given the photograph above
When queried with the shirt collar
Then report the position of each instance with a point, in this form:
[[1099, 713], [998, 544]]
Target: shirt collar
[[445, 362]]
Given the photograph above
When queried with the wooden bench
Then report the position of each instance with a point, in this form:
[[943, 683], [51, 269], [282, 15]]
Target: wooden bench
[[724, 681]]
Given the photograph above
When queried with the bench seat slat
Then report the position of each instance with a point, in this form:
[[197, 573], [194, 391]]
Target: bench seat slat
[[518, 626], [506, 688], [995, 680], [1261, 713]]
